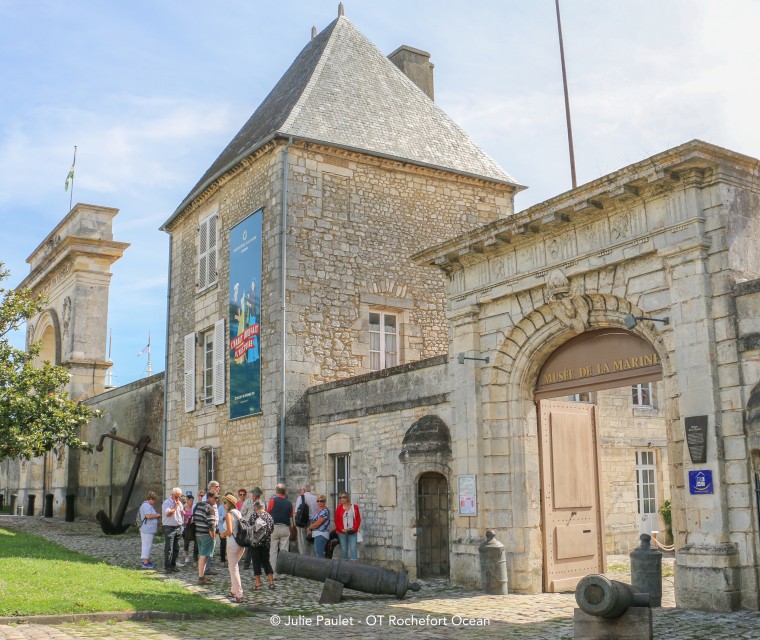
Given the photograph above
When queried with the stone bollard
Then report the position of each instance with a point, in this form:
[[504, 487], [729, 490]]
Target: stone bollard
[[646, 570], [493, 566], [30, 504]]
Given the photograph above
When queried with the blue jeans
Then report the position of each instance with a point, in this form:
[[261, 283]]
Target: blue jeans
[[320, 542], [172, 537], [347, 545]]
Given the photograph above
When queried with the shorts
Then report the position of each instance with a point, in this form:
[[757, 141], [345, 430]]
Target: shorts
[[205, 545]]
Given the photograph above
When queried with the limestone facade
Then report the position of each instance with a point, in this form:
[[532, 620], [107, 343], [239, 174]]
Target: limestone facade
[[669, 236], [353, 220], [72, 268]]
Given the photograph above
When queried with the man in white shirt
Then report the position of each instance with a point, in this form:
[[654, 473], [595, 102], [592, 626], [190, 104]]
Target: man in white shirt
[[172, 517], [311, 501]]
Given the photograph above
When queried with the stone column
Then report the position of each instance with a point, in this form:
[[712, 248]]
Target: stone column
[[467, 441], [707, 574]]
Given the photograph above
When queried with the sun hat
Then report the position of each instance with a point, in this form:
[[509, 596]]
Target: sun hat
[[228, 497]]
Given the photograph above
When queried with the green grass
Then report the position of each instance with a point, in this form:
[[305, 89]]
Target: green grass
[[41, 577]]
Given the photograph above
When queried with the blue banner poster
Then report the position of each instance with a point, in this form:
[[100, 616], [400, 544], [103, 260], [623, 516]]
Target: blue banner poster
[[245, 317]]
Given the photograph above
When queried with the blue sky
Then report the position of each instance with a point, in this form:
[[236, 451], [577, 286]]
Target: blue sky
[[152, 91]]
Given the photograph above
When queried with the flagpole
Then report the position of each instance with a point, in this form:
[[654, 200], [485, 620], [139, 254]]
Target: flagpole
[[567, 100], [73, 164], [149, 369]]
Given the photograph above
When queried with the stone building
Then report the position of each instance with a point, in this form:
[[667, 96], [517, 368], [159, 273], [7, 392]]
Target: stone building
[[345, 170]]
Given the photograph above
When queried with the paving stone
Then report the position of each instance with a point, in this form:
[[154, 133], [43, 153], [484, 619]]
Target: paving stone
[[438, 610]]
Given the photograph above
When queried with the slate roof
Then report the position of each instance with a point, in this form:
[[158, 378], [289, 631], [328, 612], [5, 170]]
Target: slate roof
[[342, 91]]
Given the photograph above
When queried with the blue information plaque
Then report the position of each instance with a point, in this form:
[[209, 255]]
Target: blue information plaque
[[700, 481]]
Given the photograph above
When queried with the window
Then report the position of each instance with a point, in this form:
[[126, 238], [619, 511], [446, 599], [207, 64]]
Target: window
[[383, 340], [642, 394], [208, 367], [341, 475], [208, 464], [207, 251], [646, 489], [579, 397]]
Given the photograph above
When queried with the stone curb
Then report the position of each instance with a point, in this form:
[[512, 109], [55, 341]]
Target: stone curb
[[121, 616]]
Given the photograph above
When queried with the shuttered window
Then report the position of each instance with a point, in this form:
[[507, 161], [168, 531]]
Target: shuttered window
[[208, 237], [189, 372], [220, 348]]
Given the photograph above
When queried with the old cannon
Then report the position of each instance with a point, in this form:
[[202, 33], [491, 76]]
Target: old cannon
[[337, 574], [140, 448], [610, 609]]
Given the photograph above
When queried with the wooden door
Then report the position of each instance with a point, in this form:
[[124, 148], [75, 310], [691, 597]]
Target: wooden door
[[432, 526], [573, 528]]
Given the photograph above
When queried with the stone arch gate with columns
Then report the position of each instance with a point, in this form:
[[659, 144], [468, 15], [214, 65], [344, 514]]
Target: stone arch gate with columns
[[670, 236], [72, 269]]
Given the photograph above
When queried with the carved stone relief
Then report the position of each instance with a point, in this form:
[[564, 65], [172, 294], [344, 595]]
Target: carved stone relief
[[569, 305], [66, 315]]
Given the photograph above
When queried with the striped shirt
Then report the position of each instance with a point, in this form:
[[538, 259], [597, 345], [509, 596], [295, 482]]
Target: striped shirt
[[205, 518]]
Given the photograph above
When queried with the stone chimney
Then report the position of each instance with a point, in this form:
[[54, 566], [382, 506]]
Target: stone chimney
[[416, 66]]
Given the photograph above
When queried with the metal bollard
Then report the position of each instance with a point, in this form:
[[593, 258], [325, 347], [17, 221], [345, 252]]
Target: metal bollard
[[48, 510], [30, 504], [646, 570], [493, 565], [70, 507]]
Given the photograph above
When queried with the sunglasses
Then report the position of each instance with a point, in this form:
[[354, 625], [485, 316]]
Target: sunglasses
[[320, 501]]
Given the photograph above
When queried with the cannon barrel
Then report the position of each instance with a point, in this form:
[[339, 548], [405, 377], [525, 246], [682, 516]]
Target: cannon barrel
[[360, 577], [600, 596]]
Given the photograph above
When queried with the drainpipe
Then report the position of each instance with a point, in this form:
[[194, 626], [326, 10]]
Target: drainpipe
[[283, 257], [166, 364]]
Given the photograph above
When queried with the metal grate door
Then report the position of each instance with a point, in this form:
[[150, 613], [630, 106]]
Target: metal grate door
[[432, 526]]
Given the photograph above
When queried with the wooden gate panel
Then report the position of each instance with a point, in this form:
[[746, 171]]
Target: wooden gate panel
[[570, 494]]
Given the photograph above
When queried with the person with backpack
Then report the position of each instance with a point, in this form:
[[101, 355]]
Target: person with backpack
[[148, 528], [260, 548], [306, 507], [234, 551]]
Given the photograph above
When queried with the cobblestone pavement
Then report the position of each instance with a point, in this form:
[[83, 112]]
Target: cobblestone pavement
[[438, 610]]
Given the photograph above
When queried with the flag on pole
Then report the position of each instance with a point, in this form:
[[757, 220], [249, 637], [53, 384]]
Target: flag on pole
[[145, 349], [69, 178]]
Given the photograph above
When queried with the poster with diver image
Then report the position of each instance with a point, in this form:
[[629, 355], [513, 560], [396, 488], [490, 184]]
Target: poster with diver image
[[245, 316]]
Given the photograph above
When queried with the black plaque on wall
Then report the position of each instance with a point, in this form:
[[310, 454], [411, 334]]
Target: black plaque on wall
[[696, 438]]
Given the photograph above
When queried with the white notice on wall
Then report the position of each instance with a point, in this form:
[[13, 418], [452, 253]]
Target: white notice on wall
[[468, 496]]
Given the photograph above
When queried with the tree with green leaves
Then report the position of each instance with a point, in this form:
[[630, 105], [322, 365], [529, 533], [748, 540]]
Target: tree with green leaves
[[36, 414]]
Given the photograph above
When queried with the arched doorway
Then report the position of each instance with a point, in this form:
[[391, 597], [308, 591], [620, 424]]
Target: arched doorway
[[572, 505], [432, 526]]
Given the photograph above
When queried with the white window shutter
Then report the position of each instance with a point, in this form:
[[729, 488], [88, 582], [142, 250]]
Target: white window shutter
[[188, 469], [220, 346], [203, 255], [189, 372], [212, 244]]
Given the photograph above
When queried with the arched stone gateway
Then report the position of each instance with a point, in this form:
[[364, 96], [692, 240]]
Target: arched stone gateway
[[666, 237], [72, 269]]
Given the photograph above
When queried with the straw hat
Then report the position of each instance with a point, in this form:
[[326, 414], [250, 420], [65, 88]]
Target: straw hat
[[228, 497]]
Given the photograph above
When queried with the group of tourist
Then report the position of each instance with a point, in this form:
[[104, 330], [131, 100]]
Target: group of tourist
[[217, 517]]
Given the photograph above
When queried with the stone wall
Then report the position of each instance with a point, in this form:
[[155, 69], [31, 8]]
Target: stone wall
[[134, 410], [353, 221], [368, 417]]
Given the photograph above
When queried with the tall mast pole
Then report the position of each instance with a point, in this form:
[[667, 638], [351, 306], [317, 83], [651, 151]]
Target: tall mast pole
[[567, 99]]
